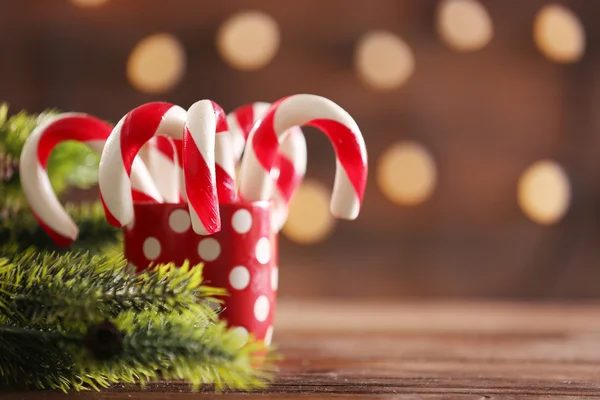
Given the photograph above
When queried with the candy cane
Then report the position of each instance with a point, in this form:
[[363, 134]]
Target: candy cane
[[240, 123], [123, 144], [290, 164], [161, 156], [209, 167], [34, 179], [322, 113]]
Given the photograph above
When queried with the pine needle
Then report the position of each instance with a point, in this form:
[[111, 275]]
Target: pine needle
[[49, 287], [154, 346], [19, 228]]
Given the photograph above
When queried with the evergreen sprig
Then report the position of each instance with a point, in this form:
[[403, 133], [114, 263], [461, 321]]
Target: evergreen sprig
[[20, 228], [144, 347], [184, 348], [164, 321], [48, 288], [34, 358]]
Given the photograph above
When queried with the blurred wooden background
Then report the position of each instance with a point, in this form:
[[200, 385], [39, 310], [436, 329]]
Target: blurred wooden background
[[485, 116]]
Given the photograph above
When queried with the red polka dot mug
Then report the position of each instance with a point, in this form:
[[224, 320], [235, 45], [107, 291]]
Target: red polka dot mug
[[241, 258]]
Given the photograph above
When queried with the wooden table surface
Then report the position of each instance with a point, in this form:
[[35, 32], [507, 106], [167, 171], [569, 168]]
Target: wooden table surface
[[418, 350]]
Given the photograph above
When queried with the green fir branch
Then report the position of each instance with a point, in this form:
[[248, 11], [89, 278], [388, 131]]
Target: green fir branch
[[165, 327], [140, 348], [182, 347], [20, 228], [33, 358], [47, 288]]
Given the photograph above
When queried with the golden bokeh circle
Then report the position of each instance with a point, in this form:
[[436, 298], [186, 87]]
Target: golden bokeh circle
[[383, 60], [407, 174], [248, 40], [309, 220], [88, 3], [156, 64], [464, 25], [559, 34], [544, 192]]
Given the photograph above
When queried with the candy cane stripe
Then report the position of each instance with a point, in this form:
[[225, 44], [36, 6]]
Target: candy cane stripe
[[161, 158], [349, 150], [291, 162], [347, 140], [165, 146], [71, 126], [240, 122], [199, 171], [32, 169], [224, 158], [287, 178], [139, 126], [36, 186], [129, 135]]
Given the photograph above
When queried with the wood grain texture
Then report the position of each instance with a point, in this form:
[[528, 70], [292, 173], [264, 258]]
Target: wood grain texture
[[417, 351]]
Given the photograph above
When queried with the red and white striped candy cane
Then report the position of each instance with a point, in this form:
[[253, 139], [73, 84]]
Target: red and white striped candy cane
[[34, 180], [129, 135], [160, 155], [209, 166], [240, 123], [322, 113], [290, 164], [288, 171]]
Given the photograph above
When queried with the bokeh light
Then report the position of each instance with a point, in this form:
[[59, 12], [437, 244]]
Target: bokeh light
[[407, 173], [383, 60], [559, 34], [309, 219], [544, 192], [88, 3], [156, 64], [248, 40], [464, 25]]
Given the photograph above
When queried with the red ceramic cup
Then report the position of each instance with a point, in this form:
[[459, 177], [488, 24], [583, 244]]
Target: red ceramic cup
[[242, 258]]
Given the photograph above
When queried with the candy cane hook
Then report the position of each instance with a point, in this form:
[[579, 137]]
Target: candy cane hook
[[322, 113], [34, 180], [290, 164], [129, 135]]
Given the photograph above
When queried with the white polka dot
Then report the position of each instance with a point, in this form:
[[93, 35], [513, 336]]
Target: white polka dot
[[242, 221], [263, 250], [239, 277], [274, 278], [179, 221], [151, 248], [209, 249], [261, 308], [240, 335], [269, 336]]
